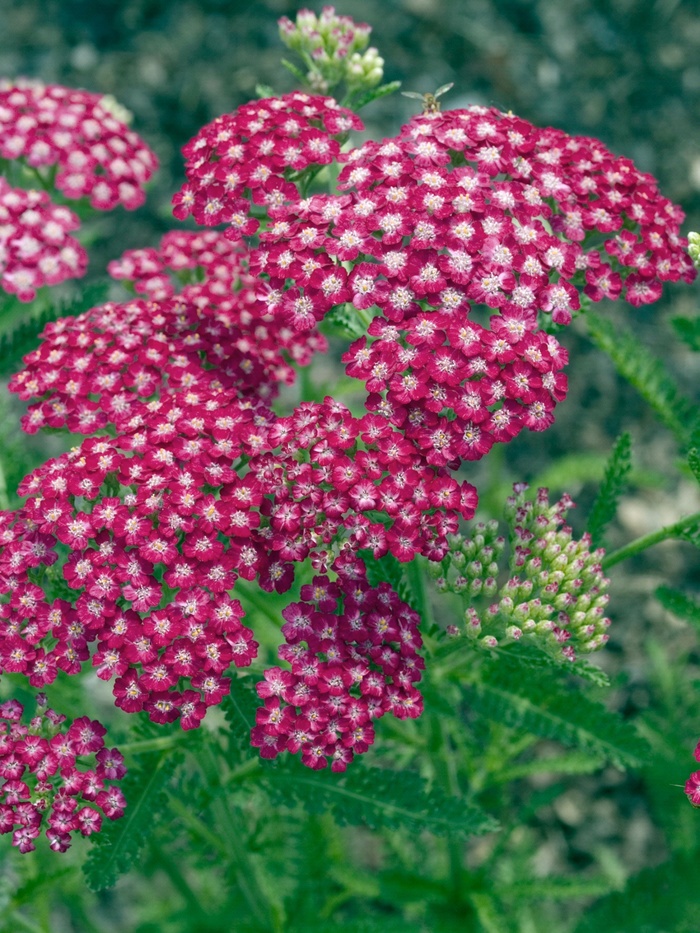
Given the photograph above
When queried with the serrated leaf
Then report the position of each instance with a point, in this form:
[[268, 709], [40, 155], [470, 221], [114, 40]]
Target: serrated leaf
[[554, 889], [388, 569], [239, 708], [23, 336], [577, 762], [679, 604], [541, 707], [116, 849], [614, 481], [343, 322], [377, 798], [646, 373], [264, 90], [694, 462], [688, 329], [297, 72], [524, 655], [375, 94]]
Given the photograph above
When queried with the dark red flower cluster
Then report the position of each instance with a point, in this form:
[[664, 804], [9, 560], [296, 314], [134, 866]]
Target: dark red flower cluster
[[517, 217], [353, 650], [35, 245], [146, 577], [255, 155], [97, 155], [154, 272], [43, 784], [329, 473], [692, 785], [221, 280], [117, 363]]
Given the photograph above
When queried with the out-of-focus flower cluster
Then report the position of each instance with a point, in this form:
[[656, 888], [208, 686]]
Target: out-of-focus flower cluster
[[556, 593], [45, 782], [95, 154], [692, 785], [35, 244], [331, 47], [353, 650], [71, 141]]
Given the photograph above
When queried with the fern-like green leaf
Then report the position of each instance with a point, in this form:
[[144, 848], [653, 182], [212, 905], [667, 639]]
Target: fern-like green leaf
[[694, 462], [616, 472], [646, 373], [658, 900], [376, 93], [116, 849], [554, 889], [377, 798], [540, 706], [688, 329], [344, 322], [576, 762], [23, 336], [388, 569], [679, 604], [239, 709], [521, 655]]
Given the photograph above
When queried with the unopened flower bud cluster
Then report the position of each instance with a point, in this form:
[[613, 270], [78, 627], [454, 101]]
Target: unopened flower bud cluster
[[333, 48], [555, 594], [694, 248]]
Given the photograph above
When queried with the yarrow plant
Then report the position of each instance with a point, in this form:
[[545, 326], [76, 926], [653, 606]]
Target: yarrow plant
[[441, 266]]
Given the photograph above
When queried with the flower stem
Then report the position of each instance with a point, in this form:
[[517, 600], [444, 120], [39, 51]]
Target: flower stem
[[647, 541]]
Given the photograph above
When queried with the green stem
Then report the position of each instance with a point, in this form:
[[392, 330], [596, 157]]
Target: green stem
[[647, 541], [233, 835], [4, 498], [178, 881]]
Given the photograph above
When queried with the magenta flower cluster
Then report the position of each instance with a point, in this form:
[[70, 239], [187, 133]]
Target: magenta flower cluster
[[46, 783], [71, 140], [36, 247], [353, 650], [95, 154]]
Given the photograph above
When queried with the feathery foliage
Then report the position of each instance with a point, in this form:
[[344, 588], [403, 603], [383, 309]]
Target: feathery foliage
[[376, 797], [117, 847], [604, 507], [646, 373], [688, 329], [655, 900], [22, 335], [550, 711]]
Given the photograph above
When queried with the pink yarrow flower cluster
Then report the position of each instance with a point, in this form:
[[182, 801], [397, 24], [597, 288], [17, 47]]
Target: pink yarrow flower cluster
[[255, 155], [221, 280], [35, 244], [45, 782], [114, 364], [354, 655], [96, 155], [692, 785]]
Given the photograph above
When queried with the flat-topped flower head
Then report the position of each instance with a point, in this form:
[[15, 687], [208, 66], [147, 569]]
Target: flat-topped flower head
[[354, 652], [36, 247], [96, 154], [254, 155]]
